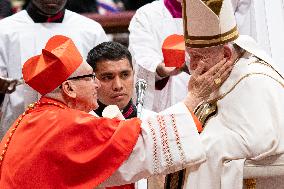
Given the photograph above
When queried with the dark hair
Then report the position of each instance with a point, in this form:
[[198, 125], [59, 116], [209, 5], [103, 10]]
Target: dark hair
[[105, 51]]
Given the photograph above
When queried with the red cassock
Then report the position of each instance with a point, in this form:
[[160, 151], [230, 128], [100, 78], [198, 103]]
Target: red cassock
[[58, 147]]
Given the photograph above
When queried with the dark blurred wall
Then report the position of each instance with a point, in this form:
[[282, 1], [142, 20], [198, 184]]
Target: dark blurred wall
[[82, 6], [5, 8], [79, 6], [135, 4]]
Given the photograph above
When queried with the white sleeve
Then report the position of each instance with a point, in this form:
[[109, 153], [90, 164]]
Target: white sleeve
[[3, 56], [242, 9], [168, 142], [102, 37], [145, 50], [241, 5], [143, 43]]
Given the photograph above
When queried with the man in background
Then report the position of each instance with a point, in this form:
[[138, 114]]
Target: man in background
[[112, 64], [149, 27]]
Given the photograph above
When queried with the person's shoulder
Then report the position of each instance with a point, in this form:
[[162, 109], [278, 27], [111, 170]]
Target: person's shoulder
[[17, 18], [70, 116], [252, 75], [155, 8], [73, 113], [15, 22], [80, 20]]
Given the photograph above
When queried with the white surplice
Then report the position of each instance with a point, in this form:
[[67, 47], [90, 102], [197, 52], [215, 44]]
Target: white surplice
[[249, 124], [148, 28], [21, 38]]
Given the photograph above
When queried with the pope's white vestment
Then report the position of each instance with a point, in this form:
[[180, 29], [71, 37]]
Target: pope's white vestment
[[249, 124], [148, 28], [21, 38]]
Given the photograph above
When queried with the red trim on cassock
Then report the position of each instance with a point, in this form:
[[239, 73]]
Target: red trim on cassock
[[197, 122]]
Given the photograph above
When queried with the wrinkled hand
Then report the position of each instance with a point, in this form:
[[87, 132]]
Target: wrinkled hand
[[164, 71], [202, 85], [7, 85]]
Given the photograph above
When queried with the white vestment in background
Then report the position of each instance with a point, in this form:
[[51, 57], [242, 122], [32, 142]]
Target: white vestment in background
[[264, 21], [21, 38], [148, 28], [249, 124]]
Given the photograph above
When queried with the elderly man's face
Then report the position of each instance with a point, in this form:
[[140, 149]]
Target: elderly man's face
[[117, 81], [210, 56], [86, 89], [50, 7]]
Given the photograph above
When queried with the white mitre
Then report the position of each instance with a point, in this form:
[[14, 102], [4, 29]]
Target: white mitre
[[209, 23]]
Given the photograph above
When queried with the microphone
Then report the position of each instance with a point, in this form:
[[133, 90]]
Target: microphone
[[141, 86]]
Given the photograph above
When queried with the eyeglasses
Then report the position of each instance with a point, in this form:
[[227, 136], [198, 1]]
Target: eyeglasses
[[92, 75]]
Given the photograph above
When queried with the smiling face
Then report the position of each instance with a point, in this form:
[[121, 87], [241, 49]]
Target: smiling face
[[117, 80], [49, 7]]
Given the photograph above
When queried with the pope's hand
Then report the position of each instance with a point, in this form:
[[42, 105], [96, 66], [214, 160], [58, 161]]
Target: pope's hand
[[203, 84]]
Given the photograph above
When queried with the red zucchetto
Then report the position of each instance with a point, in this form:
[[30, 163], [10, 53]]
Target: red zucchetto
[[174, 51]]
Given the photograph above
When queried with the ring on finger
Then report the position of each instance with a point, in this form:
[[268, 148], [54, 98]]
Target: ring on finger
[[217, 81]]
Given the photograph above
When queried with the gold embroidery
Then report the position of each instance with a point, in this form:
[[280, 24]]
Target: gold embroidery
[[212, 39], [30, 107], [155, 149], [250, 183], [165, 144], [250, 74], [175, 180], [202, 41], [184, 19], [259, 61], [205, 111], [214, 5]]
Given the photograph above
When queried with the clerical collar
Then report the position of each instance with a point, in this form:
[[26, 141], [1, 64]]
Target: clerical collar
[[37, 17], [128, 112], [174, 7]]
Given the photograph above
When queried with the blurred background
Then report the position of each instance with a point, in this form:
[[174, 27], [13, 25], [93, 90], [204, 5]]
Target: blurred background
[[113, 15]]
